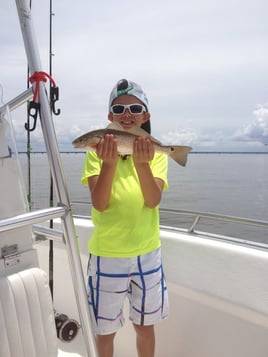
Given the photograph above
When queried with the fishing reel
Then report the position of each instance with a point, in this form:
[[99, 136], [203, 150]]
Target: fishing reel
[[66, 328]]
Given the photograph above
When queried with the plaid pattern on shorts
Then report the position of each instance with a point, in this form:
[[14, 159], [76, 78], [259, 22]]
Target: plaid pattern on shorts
[[111, 280]]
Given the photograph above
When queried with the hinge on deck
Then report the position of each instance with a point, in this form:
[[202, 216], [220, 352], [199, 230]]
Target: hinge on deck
[[10, 255]]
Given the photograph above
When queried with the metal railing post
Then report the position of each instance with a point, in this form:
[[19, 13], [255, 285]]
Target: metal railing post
[[50, 139]]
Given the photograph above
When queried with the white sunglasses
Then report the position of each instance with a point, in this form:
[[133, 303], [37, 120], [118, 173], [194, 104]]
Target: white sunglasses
[[119, 109]]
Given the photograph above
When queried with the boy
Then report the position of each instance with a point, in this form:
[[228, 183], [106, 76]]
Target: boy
[[125, 256]]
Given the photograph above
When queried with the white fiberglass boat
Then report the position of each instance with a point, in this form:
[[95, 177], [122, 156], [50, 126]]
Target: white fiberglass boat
[[217, 285]]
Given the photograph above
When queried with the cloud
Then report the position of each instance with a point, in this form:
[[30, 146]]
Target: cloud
[[199, 63], [216, 140], [181, 137], [257, 131]]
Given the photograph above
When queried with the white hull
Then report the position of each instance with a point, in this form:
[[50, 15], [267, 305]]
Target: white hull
[[217, 290]]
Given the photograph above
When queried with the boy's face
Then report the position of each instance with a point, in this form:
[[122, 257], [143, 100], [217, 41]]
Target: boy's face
[[127, 120]]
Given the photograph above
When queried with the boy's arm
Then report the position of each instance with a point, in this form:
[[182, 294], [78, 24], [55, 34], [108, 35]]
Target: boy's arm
[[143, 152], [100, 186]]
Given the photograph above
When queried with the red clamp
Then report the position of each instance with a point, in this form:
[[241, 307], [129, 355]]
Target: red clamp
[[34, 105], [38, 77]]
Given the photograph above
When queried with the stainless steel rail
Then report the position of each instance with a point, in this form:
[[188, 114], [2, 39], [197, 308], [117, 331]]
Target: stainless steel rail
[[203, 217], [32, 217], [48, 233], [197, 216], [17, 101]]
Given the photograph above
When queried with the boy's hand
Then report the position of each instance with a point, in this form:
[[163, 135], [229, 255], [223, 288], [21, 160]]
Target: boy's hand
[[107, 149], [143, 150]]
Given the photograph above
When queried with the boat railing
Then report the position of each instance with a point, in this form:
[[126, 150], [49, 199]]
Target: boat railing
[[196, 223], [18, 101], [231, 233], [199, 215], [31, 218]]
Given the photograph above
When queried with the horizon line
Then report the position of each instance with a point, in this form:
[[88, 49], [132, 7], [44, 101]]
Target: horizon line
[[191, 152]]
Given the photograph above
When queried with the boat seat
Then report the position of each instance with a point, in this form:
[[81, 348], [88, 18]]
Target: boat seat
[[27, 325]]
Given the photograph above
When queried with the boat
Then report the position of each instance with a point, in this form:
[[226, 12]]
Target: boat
[[217, 284]]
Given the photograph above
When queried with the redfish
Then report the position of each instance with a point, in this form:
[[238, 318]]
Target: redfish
[[125, 140]]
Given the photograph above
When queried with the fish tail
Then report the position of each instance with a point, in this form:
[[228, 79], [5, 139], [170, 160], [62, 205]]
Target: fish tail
[[179, 154]]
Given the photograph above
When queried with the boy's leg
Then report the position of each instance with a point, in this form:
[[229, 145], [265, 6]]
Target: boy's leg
[[107, 290], [145, 340], [148, 293], [148, 300], [105, 345], [108, 280]]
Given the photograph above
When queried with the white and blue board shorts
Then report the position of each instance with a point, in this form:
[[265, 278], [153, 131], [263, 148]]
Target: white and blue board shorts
[[111, 280]]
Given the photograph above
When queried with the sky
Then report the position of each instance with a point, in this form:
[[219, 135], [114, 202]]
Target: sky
[[203, 65]]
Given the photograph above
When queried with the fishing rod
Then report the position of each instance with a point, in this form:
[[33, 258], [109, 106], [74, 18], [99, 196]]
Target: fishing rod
[[51, 202], [33, 109], [28, 142], [66, 328]]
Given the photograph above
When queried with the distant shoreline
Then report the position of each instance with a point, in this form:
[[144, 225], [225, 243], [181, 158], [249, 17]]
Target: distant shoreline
[[192, 152]]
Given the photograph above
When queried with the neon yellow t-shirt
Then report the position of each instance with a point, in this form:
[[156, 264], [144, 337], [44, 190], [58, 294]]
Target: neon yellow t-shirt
[[127, 227]]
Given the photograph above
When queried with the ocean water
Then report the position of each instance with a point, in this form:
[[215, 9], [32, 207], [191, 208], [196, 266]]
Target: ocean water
[[221, 183]]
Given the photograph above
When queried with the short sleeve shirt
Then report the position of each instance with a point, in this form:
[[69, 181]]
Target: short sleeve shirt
[[127, 227]]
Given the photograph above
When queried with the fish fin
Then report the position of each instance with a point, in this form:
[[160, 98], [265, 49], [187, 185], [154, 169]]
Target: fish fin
[[115, 126], [179, 154]]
